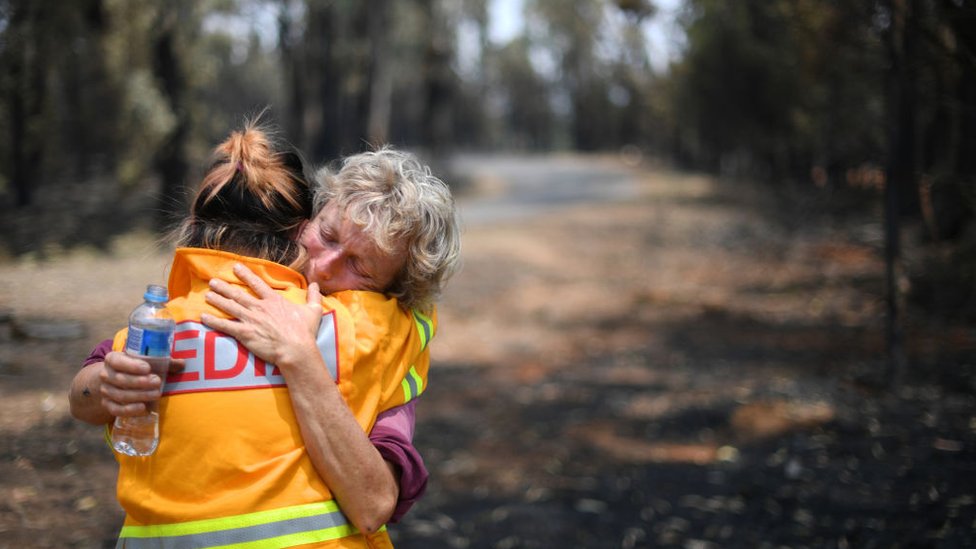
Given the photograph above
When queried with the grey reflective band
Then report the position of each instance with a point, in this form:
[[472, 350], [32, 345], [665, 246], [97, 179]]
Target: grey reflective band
[[276, 528], [326, 342], [424, 327], [412, 385]]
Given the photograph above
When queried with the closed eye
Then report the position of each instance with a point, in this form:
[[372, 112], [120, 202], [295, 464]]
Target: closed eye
[[327, 236], [357, 267]]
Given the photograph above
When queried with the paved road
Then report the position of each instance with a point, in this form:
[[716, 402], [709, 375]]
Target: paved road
[[508, 186]]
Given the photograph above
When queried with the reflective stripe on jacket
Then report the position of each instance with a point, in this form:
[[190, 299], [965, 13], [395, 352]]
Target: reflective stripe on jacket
[[302, 524], [231, 463]]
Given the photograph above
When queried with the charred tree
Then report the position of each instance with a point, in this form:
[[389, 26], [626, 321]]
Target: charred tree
[[171, 161], [900, 169]]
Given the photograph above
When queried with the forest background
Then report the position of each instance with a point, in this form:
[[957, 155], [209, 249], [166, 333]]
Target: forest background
[[115, 103], [817, 108]]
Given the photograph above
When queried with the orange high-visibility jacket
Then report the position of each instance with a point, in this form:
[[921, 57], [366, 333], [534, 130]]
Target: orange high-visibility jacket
[[231, 466]]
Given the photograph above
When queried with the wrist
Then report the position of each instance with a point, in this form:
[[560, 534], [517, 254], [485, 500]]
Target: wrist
[[298, 356]]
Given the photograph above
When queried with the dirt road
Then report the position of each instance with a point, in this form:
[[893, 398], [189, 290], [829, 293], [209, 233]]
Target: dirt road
[[682, 363]]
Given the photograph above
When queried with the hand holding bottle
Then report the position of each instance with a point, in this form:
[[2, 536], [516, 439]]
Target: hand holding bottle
[[129, 383], [150, 339]]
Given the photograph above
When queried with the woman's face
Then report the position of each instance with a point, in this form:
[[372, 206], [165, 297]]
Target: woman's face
[[342, 257]]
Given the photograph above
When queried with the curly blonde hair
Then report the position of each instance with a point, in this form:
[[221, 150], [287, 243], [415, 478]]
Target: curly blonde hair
[[397, 201]]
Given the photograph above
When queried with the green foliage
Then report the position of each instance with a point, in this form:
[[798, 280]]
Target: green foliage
[[601, 77], [520, 97], [147, 119], [779, 86], [135, 93]]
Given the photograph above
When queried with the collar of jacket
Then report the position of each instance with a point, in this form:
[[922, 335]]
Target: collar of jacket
[[204, 264]]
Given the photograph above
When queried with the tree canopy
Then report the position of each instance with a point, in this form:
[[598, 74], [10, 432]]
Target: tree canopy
[[127, 97]]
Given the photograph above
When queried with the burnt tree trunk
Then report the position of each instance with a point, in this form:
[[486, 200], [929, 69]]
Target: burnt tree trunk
[[381, 79], [292, 59], [900, 170], [171, 161], [26, 100]]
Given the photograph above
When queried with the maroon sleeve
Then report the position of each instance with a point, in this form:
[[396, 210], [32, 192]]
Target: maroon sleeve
[[392, 435], [98, 353]]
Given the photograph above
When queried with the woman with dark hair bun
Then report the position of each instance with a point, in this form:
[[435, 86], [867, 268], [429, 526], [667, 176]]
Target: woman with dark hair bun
[[239, 459], [252, 201]]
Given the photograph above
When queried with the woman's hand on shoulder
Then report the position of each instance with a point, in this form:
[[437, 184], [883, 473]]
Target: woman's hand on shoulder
[[273, 328]]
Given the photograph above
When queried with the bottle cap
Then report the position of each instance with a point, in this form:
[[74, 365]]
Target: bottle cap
[[156, 294]]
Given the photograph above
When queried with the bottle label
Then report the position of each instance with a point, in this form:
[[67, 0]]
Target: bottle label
[[143, 342]]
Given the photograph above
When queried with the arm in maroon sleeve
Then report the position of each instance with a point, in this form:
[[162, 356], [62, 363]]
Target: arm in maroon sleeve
[[85, 392], [392, 435], [99, 352]]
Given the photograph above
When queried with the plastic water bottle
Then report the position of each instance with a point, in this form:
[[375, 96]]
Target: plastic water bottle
[[150, 338]]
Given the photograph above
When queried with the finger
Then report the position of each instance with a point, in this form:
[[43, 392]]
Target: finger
[[232, 328], [232, 292], [314, 295], [176, 365], [120, 381], [229, 306], [260, 287], [120, 362], [124, 410], [123, 397]]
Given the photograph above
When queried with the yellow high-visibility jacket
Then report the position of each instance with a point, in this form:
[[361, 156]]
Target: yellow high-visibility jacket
[[231, 466]]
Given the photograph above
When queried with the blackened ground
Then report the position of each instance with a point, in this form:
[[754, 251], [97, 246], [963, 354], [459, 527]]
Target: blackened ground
[[699, 364]]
